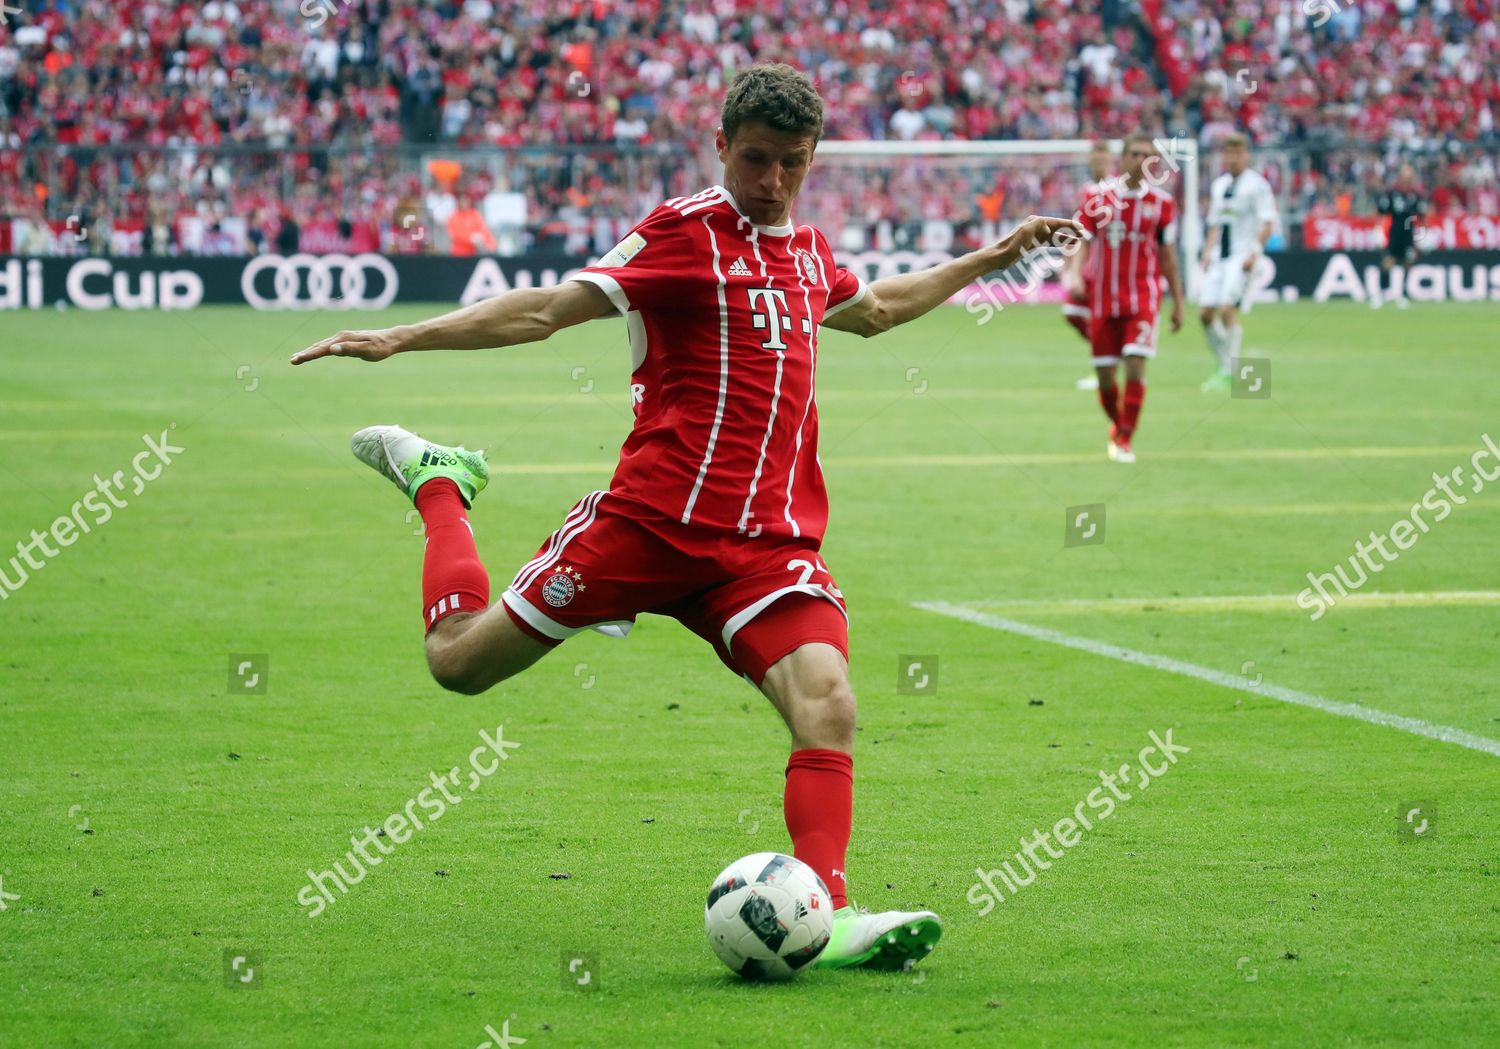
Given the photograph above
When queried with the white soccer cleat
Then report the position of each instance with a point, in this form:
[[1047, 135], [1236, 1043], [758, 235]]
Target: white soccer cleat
[[1119, 450], [409, 461], [889, 940]]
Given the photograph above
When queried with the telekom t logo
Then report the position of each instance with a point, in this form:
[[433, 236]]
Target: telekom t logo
[[768, 310]]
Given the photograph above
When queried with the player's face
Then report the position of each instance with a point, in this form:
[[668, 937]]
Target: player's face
[[1099, 164], [1236, 159], [1134, 158], [764, 169]]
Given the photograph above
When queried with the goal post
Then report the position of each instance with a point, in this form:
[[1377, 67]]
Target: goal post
[[920, 180]]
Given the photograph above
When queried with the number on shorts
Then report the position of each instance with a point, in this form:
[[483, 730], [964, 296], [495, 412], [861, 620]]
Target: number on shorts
[[808, 568]]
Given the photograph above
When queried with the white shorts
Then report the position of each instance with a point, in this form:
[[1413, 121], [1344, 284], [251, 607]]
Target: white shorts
[[1224, 283]]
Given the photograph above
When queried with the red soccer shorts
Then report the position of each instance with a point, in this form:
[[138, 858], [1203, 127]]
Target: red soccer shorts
[[1077, 305], [1112, 338], [610, 561]]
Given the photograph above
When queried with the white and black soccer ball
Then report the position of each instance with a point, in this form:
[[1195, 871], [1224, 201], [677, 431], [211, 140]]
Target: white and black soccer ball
[[768, 916]]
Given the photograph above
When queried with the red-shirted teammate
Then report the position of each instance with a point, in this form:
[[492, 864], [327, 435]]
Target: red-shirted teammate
[[1076, 310], [717, 509], [1133, 224]]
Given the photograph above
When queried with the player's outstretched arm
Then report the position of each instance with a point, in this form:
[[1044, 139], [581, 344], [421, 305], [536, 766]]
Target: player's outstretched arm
[[522, 315], [895, 300]]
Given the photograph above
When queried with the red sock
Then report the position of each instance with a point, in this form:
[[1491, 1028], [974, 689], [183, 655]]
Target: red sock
[[819, 807], [1130, 406], [1109, 400], [453, 577]]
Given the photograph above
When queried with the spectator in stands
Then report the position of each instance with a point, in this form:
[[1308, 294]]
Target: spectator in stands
[[1386, 75], [467, 232], [288, 235]]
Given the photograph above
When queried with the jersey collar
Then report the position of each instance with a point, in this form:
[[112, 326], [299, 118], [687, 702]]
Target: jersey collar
[[769, 231]]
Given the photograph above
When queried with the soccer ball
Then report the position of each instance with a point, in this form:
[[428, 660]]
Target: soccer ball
[[768, 916]]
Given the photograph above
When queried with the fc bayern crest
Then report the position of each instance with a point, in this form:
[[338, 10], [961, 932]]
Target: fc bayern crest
[[561, 586], [808, 264]]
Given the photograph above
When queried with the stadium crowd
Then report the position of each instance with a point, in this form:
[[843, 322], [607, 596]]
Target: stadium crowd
[[226, 127]]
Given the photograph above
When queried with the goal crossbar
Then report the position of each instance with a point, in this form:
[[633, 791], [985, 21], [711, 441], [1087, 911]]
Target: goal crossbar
[[1182, 152]]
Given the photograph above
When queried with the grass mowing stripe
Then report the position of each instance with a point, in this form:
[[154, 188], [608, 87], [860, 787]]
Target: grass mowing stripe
[[1025, 459], [1415, 726]]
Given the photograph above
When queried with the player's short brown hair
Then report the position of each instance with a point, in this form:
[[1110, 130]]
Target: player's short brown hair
[[1235, 140], [778, 96], [1136, 136]]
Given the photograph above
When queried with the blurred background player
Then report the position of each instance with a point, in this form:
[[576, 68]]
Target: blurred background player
[[1241, 218], [1076, 308], [1404, 204], [1134, 231], [1133, 227]]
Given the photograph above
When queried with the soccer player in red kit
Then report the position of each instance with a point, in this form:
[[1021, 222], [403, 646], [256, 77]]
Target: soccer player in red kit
[[716, 511], [1076, 309], [1132, 226]]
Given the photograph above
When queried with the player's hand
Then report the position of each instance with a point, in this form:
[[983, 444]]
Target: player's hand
[[1034, 232], [1074, 284], [374, 345], [1176, 316], [1250, 261]]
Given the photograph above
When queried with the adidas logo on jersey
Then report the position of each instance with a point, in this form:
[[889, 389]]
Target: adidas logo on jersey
[[739, 269]]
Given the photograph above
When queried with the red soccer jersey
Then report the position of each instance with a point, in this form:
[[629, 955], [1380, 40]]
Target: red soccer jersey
[[1128, 228], [1091, 264], [723, 318]]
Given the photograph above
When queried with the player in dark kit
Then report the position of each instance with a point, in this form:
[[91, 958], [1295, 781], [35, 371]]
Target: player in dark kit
[[1404, 205], [717, 509]]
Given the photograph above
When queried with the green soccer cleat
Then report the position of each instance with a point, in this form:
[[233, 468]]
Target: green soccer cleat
[[888, 941], [1216, 382], [411, 461]]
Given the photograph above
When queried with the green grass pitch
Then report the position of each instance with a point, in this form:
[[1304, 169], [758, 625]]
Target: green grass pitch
[[1264, 891]]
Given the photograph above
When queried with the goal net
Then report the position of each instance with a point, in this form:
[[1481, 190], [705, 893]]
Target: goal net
[[890, 207]]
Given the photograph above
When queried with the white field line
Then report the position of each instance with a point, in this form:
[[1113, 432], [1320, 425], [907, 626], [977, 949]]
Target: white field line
[[1416, 726], [1246, 602]]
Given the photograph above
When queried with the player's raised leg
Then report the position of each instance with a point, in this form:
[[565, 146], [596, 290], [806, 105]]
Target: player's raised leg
[[810, 688], [470, 646]]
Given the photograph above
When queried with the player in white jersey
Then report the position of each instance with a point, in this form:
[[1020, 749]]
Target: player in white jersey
[[1241, 217]]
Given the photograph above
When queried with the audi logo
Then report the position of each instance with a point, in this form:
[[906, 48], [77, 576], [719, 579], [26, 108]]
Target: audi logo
[[306, 282]]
